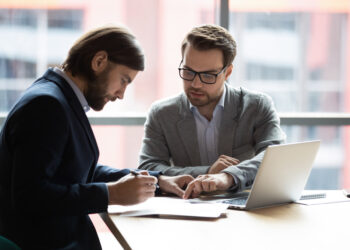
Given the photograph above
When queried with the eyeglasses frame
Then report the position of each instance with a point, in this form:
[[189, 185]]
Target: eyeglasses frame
[[199, 74]]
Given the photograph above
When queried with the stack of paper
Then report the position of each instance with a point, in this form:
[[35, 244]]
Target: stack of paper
[[169, 206]]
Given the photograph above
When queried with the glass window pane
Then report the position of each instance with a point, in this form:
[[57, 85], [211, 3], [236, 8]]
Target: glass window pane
[[298, 55], [297, 52], [49, 28], [331, 160], [40, 33]]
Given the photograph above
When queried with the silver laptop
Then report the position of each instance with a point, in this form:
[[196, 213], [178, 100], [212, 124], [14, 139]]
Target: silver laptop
[[281, 177]]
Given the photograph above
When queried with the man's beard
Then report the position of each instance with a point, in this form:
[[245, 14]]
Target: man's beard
[[201, 102], [97, 91]]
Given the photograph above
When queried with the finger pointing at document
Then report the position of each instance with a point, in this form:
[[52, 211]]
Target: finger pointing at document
[[208, 183], [174, 184]]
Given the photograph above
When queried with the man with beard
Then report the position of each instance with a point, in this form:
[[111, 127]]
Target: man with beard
[[212, 131], [49, 177]]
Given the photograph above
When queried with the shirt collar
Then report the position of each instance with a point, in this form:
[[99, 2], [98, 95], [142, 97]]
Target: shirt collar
[[221, 102], [75, 88]]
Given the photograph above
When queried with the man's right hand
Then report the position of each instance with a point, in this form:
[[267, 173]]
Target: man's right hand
[[208, 183], [223, 162], [132, 189]]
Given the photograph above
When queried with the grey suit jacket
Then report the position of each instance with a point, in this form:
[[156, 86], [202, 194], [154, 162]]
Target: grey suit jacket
[[249, 124]]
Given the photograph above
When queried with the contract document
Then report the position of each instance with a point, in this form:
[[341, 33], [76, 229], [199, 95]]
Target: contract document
[[170, 207]]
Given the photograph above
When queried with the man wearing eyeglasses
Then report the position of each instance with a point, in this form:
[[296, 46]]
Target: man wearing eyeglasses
[[212, 131]]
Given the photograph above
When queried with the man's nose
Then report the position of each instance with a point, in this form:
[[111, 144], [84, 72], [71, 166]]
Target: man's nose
[[196, 82], [120, 93]]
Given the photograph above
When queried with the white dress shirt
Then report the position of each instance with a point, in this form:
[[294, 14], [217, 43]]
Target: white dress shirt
[[75, 88], [208, 132]]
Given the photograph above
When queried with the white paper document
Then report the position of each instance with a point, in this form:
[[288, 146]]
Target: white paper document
[[170, 206]]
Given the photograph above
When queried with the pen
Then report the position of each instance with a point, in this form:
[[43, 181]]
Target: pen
[[346, 192], [135, 173]]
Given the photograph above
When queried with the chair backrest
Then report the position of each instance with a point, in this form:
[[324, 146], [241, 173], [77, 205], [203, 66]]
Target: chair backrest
[[6, 244]]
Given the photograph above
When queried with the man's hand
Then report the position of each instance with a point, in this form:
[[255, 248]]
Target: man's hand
[[223, 162], [132, 189], [208, 183], [174, 184]]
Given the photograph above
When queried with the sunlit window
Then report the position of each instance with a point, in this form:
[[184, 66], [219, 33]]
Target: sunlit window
[[295, 51]]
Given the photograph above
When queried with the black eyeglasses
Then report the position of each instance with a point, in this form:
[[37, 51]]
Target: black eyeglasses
[[205, 77]]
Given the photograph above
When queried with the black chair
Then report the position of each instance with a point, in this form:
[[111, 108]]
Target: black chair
[[6, 244]]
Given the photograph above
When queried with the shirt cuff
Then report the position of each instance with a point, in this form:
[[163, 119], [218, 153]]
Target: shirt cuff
[[236, 185]]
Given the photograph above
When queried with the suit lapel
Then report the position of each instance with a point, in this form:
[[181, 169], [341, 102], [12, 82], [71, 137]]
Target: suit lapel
[[76, 107], [229, 120], [187, 130]]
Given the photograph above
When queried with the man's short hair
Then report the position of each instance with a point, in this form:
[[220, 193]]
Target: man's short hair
[[119, 43], [211, 36]]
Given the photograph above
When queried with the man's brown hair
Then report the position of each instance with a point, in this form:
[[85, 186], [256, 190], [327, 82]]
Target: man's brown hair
[[120, 45], [211, 36]]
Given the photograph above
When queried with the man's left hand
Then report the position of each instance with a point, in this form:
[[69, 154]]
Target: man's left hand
[[174, 184]]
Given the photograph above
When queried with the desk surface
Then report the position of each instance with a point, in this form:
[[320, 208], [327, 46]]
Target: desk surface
[[291, 226]]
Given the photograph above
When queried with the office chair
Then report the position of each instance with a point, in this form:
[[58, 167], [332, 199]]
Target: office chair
[[6, 244]]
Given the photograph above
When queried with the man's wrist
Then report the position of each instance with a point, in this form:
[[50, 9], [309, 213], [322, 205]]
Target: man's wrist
[[161, 179], [227, 181], [235, 182]]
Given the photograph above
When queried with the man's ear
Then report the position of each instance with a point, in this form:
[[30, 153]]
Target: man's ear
[[228, 71], [99, 61]]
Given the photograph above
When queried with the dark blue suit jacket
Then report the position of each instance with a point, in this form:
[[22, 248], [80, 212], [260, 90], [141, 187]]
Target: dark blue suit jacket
[[49, 177]]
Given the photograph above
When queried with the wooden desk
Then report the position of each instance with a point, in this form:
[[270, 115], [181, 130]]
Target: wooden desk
[[290, 226]]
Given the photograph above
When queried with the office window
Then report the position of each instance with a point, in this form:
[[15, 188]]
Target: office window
[[297, 53], [18, 17], [303, 50], [32, 39], [257, 71], [328, 169], [15, 68], [7, 98], [273, 21], [65, 19], [49, 28]]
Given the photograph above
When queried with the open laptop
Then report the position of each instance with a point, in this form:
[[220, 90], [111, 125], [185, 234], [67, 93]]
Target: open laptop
[[281, 177]]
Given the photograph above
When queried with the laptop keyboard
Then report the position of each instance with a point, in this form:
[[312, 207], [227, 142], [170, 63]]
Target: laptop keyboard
[[243, 200], [313, 196], [236, 201]]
